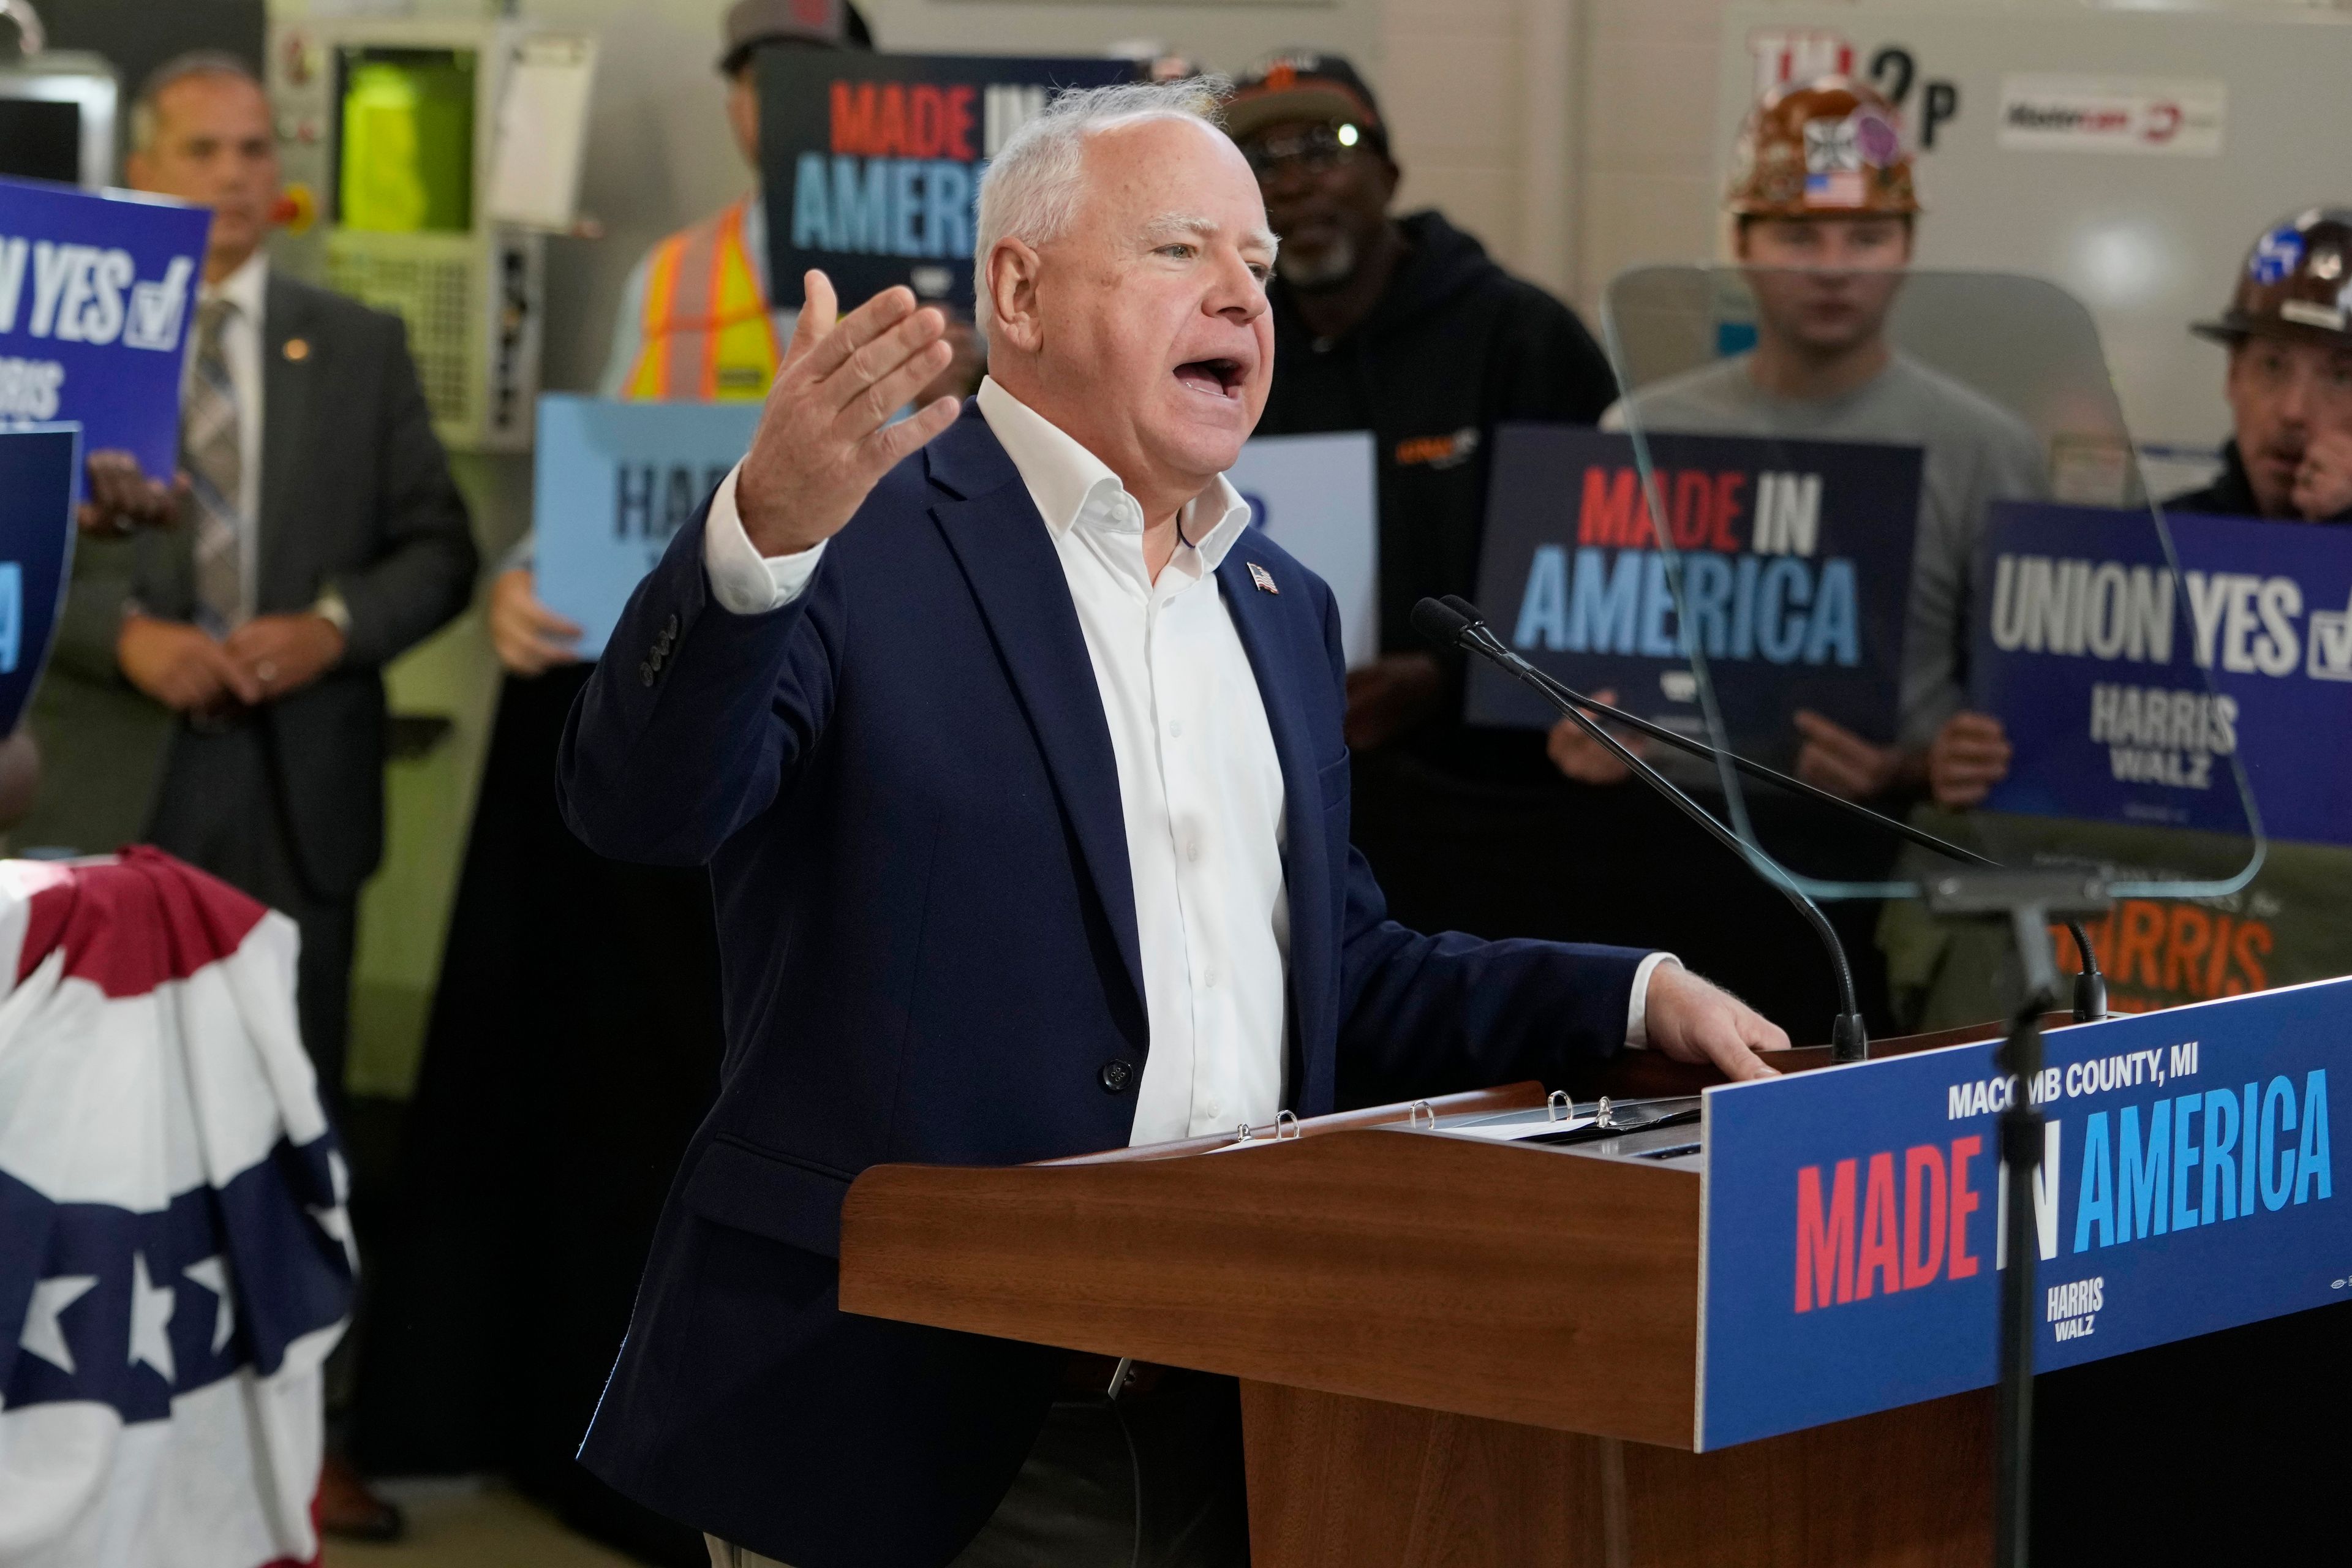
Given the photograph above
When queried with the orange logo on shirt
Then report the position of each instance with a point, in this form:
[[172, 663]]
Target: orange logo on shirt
[[1438, 451]]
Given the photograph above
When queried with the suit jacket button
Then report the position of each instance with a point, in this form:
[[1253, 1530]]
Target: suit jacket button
[[670, 628], [646, 673], [1116, 1076], [655, 662]]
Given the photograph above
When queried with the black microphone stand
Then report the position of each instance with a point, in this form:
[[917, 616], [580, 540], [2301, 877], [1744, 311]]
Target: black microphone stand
[[1449, 628], [2026, 901], [2090, 996]]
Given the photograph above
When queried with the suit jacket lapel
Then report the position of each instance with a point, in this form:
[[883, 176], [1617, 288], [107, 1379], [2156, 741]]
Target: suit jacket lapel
[[997, 536], [287, 406], [1260, 619]]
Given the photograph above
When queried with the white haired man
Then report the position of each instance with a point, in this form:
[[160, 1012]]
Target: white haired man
[[1015, 755]]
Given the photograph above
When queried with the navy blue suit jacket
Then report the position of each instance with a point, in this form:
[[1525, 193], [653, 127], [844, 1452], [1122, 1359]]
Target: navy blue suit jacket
[[903, 787]]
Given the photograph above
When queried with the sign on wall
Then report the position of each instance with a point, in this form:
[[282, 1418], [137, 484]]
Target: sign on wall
[[97, 313], [871, 164]]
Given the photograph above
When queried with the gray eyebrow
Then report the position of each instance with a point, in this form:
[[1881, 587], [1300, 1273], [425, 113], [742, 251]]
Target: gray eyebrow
[[1192, 224]]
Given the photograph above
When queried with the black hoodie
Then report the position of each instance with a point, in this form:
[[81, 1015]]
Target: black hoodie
[[1455, 346]]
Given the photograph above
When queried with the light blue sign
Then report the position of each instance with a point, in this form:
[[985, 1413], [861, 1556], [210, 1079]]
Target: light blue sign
[[97, 298], [40, 468], [1313, 495], [613, 482], [1852, 1253]]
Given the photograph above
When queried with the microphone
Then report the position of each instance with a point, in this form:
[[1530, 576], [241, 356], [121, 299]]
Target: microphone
[[2089, 1001], [1449, 628]]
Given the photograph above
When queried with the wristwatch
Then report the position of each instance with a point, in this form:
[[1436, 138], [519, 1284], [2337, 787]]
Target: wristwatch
[[330, 607]]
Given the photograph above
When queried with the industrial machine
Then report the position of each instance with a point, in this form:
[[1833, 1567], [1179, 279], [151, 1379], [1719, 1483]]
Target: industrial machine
[[425, 162], [56, 107]]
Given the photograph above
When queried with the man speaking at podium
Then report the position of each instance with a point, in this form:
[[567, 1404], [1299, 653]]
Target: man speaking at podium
[[1015, 755]]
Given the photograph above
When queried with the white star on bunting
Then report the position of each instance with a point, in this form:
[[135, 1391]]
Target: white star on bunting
[[212, 1273], [44, 1335], [151, 1320]]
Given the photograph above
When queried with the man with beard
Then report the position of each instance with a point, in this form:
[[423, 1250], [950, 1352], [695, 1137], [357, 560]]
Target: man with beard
[[2290, 386], [1405, 326]]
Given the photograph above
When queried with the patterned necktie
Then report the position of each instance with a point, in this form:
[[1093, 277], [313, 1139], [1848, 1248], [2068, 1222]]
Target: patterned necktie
[[212, 452]]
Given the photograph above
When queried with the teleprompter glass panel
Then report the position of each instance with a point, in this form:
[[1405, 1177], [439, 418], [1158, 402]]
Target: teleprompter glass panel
[[1885, 531]]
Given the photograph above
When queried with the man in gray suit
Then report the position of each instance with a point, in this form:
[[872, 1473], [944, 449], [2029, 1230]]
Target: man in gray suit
[[219, 680]]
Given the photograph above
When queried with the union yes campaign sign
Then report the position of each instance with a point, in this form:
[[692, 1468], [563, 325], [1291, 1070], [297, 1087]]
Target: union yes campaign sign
[[40, 471], [2097, 666], [1853, 1214], [1795, 561], [97, 309], [871, 164]]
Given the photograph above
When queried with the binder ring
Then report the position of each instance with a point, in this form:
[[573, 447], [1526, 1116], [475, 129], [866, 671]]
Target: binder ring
[[1287, 1128], [1242, 1134], [1561, 1107], [1412, 1115], [1602, 1116]]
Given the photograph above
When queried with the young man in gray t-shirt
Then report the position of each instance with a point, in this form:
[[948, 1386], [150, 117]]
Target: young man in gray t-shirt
[[1824, 206]]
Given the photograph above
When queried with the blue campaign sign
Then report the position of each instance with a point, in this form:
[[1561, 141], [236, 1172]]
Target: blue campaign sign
[[1796, 564], [2188, 1185], [613, 482], [1314, 496], [2096, 667], [871, 164], [97, 298], [40, 468]]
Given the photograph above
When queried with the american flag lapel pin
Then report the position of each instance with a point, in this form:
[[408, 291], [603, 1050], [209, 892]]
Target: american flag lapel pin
[[1263, 578]]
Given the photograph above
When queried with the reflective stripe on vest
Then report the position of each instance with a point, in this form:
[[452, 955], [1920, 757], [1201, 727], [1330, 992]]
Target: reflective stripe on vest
[[708, 336]]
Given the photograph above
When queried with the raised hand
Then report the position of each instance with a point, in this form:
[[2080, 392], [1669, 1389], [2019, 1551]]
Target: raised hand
[[825, 437]]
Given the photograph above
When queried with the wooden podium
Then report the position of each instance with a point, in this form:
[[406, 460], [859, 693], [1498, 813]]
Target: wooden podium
[[1451, 1352]]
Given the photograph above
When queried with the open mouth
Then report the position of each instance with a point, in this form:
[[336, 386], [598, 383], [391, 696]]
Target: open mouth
[[1214, 377]]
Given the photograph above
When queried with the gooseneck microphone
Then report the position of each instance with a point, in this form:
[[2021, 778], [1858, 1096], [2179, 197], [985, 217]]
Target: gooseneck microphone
[[2090, 1000], [1449, 628]]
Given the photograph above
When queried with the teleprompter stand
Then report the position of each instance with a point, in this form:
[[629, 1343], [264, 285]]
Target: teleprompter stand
[[2027, 901]]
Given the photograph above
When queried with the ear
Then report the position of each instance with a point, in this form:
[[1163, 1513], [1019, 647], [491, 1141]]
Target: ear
[[743, 113], [1012, 287]]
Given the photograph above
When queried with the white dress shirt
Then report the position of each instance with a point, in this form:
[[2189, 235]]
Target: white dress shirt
[[1201, 788]]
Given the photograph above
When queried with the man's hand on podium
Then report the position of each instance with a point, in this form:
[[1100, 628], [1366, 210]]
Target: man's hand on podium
[[1695, 1020]]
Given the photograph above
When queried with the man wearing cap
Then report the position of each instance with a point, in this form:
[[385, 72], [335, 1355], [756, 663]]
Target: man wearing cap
[[1824, 206], [2290, 378], [1405, 326]]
